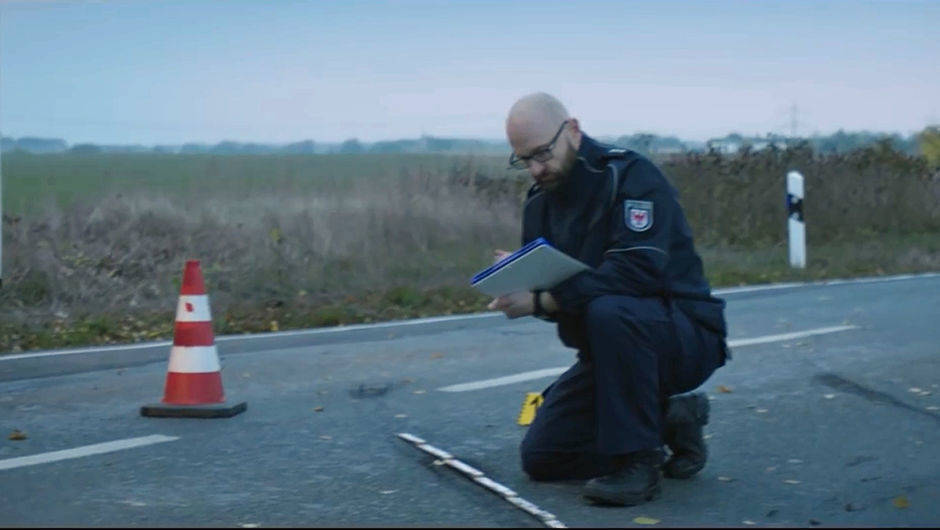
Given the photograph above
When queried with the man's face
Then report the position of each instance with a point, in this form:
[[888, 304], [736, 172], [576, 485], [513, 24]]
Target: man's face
[[534, 143]]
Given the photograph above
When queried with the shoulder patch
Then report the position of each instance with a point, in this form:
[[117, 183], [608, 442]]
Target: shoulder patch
[[638, 215]]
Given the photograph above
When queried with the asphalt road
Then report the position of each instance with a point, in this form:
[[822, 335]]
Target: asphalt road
[[836, 428]]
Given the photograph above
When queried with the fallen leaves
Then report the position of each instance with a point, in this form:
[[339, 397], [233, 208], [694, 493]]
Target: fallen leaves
[[901, 502], [645, 520], [318, 409], [17, 435], [724, 389]]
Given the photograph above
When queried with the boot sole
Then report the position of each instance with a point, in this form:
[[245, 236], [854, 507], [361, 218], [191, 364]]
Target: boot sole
[[601, 498]]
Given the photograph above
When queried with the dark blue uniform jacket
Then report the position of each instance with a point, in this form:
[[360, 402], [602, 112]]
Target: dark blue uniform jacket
[[618, 213]]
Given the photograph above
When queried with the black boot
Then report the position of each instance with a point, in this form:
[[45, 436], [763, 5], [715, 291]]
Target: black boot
[[638, 481], [685, 416]]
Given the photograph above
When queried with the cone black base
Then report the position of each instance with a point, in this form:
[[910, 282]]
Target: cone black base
[[214, 410]]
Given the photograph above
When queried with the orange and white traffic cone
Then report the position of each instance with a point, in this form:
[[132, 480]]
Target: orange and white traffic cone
[[194, 379]]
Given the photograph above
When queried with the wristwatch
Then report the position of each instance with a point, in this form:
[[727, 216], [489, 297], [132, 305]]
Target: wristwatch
[[539, 311]]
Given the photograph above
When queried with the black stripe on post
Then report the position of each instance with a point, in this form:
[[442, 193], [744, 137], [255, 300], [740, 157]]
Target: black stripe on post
[[794, 207]]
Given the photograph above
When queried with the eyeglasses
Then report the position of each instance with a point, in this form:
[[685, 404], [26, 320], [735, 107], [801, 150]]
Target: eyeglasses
[[542, 154]]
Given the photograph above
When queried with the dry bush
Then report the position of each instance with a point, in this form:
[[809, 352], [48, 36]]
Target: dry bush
[[126, 252], [740, 200]]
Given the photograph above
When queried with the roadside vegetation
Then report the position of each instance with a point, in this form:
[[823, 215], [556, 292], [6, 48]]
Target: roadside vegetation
[[94, 244]]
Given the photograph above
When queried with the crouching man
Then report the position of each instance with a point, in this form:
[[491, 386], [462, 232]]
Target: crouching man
[[644, 322]]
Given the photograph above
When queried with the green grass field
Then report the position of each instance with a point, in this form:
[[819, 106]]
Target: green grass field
[[31, 181], [94, 244]]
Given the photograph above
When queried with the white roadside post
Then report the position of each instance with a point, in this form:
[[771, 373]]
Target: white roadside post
[[796, 225]]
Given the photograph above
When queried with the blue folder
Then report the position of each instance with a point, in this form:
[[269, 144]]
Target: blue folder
[[537, 265]]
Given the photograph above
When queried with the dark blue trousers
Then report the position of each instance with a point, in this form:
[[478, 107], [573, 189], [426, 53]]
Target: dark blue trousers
[[635, 353]]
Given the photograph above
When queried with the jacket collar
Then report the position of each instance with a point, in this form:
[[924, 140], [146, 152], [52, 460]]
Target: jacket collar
[[586, 170], [591, 153]]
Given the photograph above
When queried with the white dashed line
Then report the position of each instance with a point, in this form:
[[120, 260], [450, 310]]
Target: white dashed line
[[551, 372], [789, 336], [85, 450], [505, 380]]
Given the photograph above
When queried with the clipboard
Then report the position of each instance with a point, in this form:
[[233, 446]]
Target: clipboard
[[537, 265]]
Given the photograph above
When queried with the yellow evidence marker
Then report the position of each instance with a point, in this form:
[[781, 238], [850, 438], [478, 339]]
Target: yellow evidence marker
[[531, 402]]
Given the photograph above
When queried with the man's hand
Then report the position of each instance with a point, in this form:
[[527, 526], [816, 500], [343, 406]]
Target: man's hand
[[499, 254], [515, 305]]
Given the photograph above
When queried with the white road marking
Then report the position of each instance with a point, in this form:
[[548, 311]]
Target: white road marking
[[450, 318], [18, 356], [252, 336], [756, 288], [85, 450], [551, 372], [789, 336], [822, 283], [505, 380]]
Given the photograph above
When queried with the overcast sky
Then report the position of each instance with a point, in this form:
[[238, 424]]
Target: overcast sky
[[177, 71]]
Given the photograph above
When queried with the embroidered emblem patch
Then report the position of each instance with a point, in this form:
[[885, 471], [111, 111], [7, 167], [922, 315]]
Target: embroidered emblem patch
[[638, 215]]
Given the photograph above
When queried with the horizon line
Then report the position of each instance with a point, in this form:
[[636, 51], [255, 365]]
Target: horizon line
[[767, 135]]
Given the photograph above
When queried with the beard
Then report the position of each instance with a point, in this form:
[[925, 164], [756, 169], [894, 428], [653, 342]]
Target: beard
[[554, 180]]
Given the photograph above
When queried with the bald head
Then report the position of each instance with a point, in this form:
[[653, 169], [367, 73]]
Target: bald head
[[532, 123], [536, 112]]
